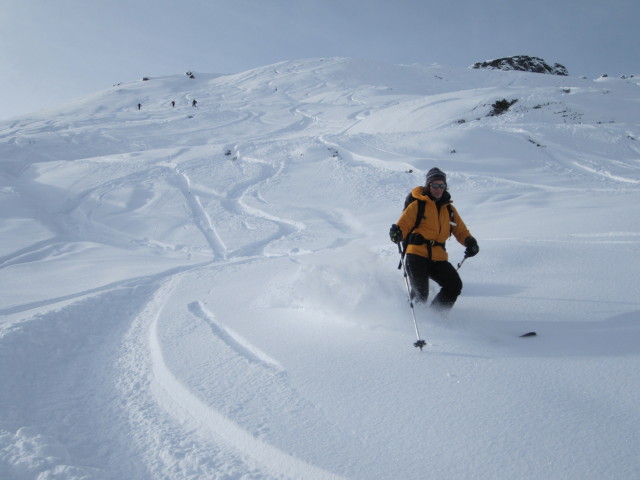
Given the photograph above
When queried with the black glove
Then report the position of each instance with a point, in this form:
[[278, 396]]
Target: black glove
[[395, 234], [472, 247]]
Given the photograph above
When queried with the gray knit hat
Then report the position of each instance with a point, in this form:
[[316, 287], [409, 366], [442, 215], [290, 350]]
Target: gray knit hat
[[436, 174]]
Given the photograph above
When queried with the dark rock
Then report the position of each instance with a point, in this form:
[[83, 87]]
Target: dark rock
[[523, 63]]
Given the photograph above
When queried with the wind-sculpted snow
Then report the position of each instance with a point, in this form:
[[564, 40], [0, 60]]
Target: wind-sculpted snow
[[209, 292]]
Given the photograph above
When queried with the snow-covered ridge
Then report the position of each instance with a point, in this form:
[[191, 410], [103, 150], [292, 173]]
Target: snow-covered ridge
[[209, 291]]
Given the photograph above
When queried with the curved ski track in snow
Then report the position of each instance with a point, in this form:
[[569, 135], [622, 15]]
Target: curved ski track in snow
[[190, 395], [233, 340]]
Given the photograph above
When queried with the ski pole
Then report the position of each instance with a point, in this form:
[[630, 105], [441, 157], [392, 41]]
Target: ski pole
[[419, 343], [460, 264]]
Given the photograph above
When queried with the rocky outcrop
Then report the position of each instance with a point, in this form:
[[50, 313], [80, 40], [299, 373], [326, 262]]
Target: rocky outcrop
[[523, 63]]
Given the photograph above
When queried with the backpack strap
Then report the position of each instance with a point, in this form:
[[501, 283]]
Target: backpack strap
[[421, 207], [450, 208], [452, 223]]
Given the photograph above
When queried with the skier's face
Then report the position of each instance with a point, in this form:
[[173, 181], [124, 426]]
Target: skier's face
[[437, 189]]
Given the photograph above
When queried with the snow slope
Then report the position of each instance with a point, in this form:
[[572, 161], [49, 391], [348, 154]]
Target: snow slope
[[210, 293]]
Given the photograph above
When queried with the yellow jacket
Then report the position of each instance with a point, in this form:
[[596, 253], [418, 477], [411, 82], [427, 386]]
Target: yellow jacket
[[435, 226]]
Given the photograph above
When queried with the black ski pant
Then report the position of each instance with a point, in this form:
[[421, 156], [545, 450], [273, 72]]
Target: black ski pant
[[421, 269]]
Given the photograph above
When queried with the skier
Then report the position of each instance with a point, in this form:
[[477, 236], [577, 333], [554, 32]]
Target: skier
[[194, 103], [426, 256]]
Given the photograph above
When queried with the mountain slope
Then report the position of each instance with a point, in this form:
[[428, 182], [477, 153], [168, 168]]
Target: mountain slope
[[209, 291]]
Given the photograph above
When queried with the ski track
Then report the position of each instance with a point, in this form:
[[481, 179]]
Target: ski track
[[122, 354], [155, 408], [182, 392], [233, 340], [201, 218], [236, 452], [168, 449]]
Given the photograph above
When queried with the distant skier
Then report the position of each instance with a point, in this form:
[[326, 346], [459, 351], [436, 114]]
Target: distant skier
[[426, 257], [139, 106], [194, 103], [173, 103]]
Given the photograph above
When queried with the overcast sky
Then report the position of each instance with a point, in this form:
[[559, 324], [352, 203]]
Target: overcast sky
[[54, 50]]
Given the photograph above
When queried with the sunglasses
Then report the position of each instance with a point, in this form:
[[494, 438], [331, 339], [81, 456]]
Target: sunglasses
[[439, 186]]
